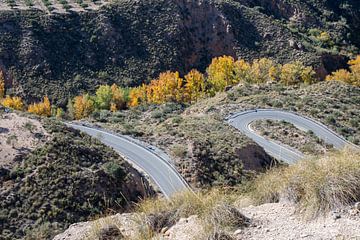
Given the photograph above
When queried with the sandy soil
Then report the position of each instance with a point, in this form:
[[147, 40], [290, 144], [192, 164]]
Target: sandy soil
[[274, 221], [279, 221], [19, 135]]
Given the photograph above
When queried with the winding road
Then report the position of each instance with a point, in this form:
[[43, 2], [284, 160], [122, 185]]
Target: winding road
[[242, 121], [157, 165]]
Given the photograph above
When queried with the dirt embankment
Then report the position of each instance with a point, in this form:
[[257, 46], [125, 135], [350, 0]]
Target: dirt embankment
[[18, 137]]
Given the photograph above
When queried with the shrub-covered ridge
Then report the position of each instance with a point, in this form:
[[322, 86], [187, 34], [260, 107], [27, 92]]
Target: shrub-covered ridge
[[72, 178]]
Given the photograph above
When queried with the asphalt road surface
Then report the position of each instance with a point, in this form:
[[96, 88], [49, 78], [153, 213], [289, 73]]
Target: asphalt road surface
[[242, 121], [159, 169], [167, 178]]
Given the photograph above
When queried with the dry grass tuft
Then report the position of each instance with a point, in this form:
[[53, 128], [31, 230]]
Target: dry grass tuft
[[316, 184], [186, 204], [160, 213]]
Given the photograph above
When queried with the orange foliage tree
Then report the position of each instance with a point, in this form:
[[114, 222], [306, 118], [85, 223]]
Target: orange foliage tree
[[340, 75], [137, 96], [168, 87], [83, 106], [119, 98], [355, 70], [42, 108]]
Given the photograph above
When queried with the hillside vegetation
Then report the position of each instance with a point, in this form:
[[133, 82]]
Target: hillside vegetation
[[71, 178], [59, 50]]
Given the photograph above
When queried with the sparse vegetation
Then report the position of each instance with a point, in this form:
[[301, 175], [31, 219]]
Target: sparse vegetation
[[286, 133]]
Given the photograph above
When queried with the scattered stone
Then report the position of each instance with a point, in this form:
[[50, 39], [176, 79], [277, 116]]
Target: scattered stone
[[357, 206], [163, 230], [238, 232], [183, 220], [336, 216], [158, 221], [353, 212], [292, 43]]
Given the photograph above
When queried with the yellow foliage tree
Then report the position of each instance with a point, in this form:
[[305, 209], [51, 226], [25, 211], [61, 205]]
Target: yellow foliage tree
[[103, 97], [195, 86], [13, 102], [137, 96], [340, 75], [243, 71], [260, 69], [352, 77], [295, 73], [2, 85], [168, 87], [42, 108], [221, 73], [83, 106], [325, 38], [274, 73], [355, 70]]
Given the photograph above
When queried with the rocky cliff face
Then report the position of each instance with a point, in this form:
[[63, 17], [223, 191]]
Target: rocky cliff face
[[129, 42]]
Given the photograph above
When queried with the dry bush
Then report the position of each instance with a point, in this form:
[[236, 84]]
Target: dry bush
[[317, 185]]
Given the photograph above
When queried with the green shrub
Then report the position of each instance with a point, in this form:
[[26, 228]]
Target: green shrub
[[115, 170]]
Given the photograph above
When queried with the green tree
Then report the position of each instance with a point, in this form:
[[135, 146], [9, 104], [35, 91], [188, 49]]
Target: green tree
[[70, 109], [103, 97]]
